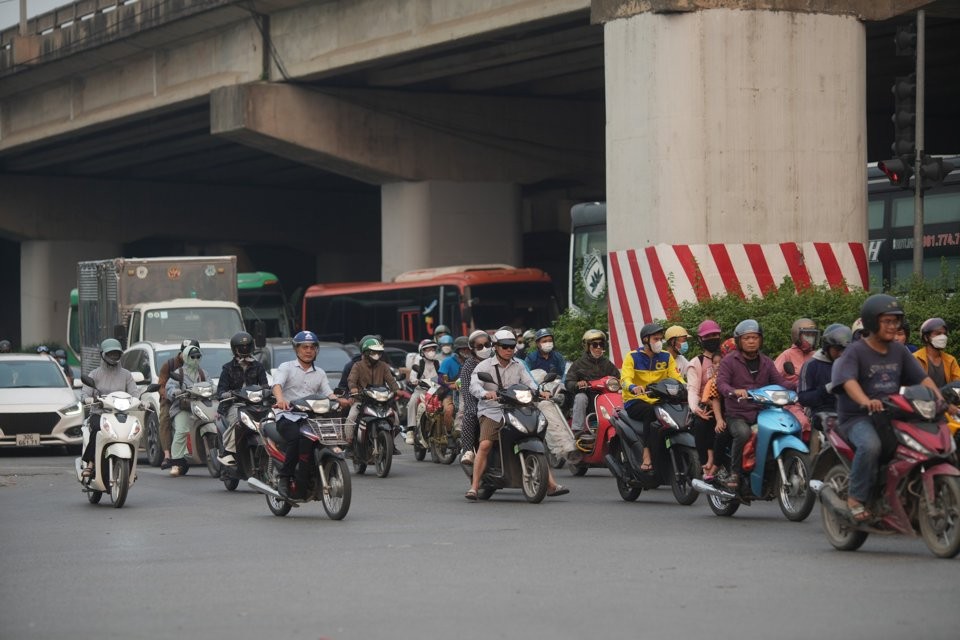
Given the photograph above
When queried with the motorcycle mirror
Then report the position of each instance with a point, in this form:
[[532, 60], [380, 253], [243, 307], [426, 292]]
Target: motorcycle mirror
[[151, 388], [176, 375], [789, 369], [87, 380], [550, 377], [484, 376]]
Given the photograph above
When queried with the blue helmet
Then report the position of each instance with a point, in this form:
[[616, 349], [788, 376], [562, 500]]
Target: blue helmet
[[543, 333], [306, 337], [445, 339], [43, 349]]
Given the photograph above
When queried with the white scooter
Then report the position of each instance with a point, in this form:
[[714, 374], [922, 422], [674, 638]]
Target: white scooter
[[115, 458]]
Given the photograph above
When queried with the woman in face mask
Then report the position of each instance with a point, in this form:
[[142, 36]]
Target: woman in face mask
[[676, 342], [805, 336], [480, 349], [939, 365]]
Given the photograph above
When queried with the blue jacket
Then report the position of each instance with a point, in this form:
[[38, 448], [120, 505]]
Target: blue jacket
[[553, 363]]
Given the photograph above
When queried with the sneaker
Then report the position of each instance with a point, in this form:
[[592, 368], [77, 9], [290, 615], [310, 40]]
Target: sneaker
[[409, 436], [227, 459], [467, 457]]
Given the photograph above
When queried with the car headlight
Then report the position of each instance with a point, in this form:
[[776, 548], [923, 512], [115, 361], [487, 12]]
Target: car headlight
[[666, 418], [912, 443], [71, 409], [519, 426]]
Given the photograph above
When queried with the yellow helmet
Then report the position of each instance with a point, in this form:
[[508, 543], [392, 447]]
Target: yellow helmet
[[591, 335], [676, 331]]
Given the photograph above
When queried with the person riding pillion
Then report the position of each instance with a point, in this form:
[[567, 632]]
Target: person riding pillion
[[243, 370], [297, 379], [108, 377], [424, 367], [370, 370], [592, 365]]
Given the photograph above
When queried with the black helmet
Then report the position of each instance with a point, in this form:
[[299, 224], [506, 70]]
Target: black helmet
[[460, 343], [241, 344], [649, 329], [874, 307], [836, 335]]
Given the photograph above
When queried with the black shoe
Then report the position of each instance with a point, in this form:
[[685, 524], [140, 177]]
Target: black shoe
[[166, 464], [283, 488], [396, 451]]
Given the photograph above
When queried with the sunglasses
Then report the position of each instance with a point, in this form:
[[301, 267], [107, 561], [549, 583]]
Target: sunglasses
[[507, 346], [597, 345], [195, 356]]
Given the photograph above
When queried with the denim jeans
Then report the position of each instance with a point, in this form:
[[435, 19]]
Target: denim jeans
[[861, 433]]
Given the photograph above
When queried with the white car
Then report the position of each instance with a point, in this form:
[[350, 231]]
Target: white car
[[148, 358], [37, 406]]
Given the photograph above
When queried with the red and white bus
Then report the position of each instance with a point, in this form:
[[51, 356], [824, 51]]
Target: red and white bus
[[411, 306]]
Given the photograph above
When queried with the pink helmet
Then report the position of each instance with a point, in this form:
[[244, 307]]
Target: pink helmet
[[707, 327]]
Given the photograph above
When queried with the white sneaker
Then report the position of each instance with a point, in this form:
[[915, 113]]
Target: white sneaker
[[409, 437], [227, 459], [467, 457]]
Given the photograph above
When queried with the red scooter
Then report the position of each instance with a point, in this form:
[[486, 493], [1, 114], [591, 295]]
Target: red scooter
[[606, 400], [918, 491]]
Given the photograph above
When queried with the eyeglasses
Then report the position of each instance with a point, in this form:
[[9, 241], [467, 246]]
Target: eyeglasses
[[481, 345], [597, 345]]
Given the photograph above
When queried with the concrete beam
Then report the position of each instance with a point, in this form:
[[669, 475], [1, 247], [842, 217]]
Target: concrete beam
[[381, 136], [607, 10]]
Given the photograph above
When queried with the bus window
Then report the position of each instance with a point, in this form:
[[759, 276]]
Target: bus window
[[522, 305], [875, 215]]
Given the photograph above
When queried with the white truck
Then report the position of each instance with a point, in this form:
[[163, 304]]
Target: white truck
[[157, 299]]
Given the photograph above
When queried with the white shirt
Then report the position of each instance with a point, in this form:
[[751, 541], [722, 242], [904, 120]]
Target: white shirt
[[296, 383], [514, 373]]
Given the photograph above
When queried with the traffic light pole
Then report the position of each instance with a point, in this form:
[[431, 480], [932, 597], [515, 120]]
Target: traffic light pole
[[918, 177]]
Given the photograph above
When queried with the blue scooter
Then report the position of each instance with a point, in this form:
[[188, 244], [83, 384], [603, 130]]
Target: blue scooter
[[782, 469]]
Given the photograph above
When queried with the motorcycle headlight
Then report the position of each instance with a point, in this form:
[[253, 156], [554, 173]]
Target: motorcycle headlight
[[197, 411], [379, 395], [255, 396], [612, 385], [135, 429], [524, 395], [123, 404], [519, 426], [206, 392], [107, 429], [926, 408], [541, 422], [319, 406], [370, 411], [247, 421], [666, 418], [911, 442], [71, 409]]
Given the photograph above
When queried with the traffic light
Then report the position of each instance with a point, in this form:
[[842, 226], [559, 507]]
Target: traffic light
[[898, 171], [906, 39], [933, 171], [904, 116]]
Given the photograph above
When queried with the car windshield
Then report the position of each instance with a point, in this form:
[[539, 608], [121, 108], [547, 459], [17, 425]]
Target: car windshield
[[31, 374], [212, 362]]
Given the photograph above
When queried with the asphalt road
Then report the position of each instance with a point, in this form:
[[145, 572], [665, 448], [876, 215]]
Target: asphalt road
[[186, 559]]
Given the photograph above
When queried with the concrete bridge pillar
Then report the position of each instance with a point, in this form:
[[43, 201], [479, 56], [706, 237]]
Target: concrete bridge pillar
[[43, 287], [438, 223], [730, 122]]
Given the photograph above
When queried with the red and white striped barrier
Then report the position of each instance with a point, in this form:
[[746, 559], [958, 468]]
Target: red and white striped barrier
[[651, 283]]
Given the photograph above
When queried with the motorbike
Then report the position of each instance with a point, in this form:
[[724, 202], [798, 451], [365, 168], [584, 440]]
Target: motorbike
[[676, 463], [951, 393], [430, 431], [606, 400], [518, 459], [323, 475], [782, 469], [377, 426], [918, 490], [203, 439], [254, 411], [115, 457]]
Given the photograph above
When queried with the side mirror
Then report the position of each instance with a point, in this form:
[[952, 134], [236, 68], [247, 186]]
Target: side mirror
[[176, 375], [789, 369], [87, 380], [151, 388], [550, 377], [484, 376]]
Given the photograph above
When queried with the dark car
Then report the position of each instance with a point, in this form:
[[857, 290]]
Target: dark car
[[331, 357]]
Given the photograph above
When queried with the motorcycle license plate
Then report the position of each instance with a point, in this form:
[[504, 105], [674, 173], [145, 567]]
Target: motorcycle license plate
[[28, 439]]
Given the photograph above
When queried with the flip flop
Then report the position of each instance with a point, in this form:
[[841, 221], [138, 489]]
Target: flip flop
[[471, 495], [646, 467], [558, 490], [859, 513]]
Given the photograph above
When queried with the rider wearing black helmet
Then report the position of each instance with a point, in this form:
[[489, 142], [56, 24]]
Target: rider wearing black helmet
[[242, 371], [868, 370], [814, 391]]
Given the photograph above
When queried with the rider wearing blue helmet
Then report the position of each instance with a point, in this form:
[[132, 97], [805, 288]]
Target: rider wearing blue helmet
[[297, 379], [446, 347], [544, 357]]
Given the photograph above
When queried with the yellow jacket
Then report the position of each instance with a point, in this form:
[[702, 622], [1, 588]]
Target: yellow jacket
[[951, 370], [641, 369]]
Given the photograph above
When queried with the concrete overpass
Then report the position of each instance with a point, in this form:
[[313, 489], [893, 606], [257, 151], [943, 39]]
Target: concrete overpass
[[356, 139]]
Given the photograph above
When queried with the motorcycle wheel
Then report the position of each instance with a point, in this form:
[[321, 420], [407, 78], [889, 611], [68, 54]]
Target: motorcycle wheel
[[577, 469], [555, 461], [154, 450], [211, 444], [359, 457], [796, 499], [94, 496], [384, 458], [442, 450], [119, 481], [940, 522], [628, 493], [419, 451], [485, 493], [681, 480], [277, 506], [536, 478], [337, 493], [839, 533], [231, 483]]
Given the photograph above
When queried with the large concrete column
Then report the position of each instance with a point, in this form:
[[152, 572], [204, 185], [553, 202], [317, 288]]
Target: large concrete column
[[727, 125], [48, 271], [437, 223]]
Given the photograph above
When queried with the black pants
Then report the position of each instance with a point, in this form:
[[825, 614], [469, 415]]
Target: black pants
[[704, 435], [644, 412], [91, 448], [297, 447]]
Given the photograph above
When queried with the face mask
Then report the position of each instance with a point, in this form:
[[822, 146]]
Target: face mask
[[447, 349], [374, 356], [807, 342], [546, 347], [939, 342], [484, 353], [657, 346], [711, 344], [430, 354], [112, 359], [683, 348]]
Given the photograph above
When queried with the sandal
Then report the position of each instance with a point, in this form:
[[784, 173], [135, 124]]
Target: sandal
[[558, 490], [733, 482], [859, 513], [646, 467], [471, 495], [87, 472]]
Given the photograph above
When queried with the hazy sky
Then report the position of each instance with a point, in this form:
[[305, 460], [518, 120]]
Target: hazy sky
[[10, 10]]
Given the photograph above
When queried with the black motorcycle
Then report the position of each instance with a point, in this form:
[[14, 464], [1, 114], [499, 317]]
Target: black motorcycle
[[255, 411], [674, 454], [518, 459], [377, 425], [324, 476]]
